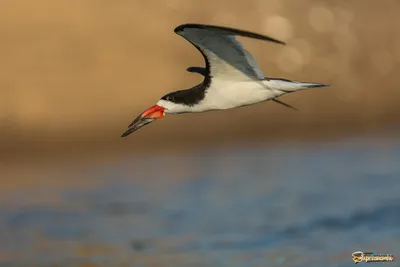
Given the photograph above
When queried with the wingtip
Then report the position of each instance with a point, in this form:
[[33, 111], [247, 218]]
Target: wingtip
[[179, 29], [277, 41], [199, 70], [284, 104]]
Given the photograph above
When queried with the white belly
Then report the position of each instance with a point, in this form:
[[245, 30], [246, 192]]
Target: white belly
[[225, 95]]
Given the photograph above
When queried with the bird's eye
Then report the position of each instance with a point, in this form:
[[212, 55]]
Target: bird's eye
[[170, 98]]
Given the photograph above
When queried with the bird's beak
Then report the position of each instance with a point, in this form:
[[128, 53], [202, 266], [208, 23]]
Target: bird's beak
[[148, 116]]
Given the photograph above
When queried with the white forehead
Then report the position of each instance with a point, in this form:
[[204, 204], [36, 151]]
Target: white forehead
[[171, 107]]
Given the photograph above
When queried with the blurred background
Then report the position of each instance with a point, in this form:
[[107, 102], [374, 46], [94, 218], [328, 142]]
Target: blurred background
[[256, 186]]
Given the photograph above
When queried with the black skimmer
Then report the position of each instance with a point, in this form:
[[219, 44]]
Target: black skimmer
[[232, 77]]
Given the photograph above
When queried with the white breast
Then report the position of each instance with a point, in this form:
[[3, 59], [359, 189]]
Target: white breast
[[225, 95]]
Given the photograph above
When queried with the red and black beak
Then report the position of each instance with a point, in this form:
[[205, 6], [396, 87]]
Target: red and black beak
[[150, 115]]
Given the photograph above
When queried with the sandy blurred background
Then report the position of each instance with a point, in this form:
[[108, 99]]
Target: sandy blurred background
[[75, 73]]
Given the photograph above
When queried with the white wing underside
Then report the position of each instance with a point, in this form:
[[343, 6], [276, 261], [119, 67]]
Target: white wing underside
[[227, 57]]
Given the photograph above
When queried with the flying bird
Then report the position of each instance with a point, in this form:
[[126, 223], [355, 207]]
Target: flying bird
[[232, 77]]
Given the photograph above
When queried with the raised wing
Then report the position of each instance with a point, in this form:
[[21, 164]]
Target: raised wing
[[225, 57]]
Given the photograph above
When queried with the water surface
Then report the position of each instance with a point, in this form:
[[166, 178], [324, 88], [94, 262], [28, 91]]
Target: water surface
[[302, 205]]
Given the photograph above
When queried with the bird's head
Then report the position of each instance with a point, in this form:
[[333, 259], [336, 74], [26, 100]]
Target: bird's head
[[169, 104]]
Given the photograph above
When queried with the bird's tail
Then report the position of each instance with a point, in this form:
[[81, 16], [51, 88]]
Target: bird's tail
[[289, 86]]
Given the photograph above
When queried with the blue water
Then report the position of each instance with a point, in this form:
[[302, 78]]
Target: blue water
[[295, 205]]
